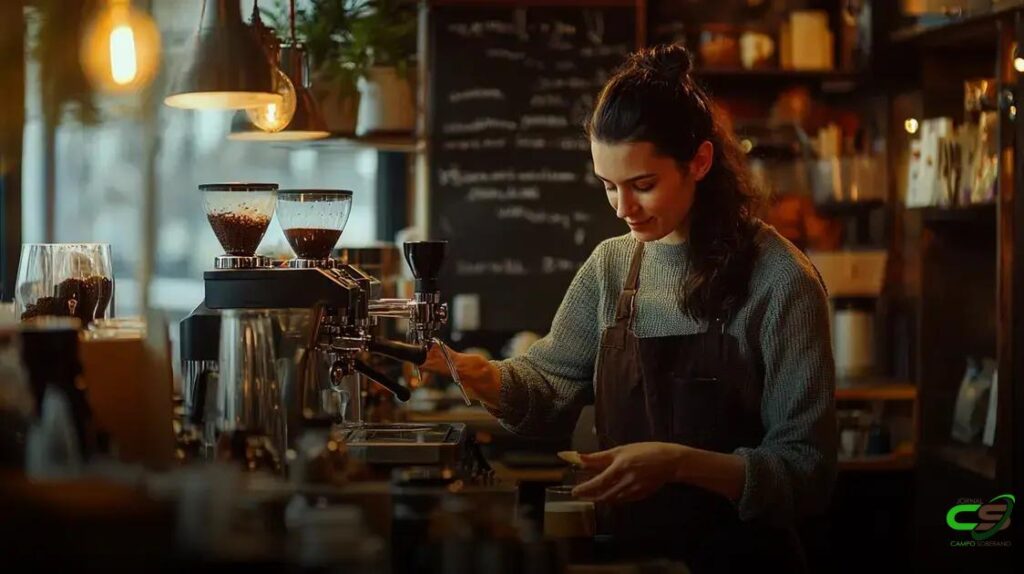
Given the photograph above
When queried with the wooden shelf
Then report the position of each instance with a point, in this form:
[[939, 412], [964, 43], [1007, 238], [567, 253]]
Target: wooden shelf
[[978, 213], [972, 458], [829, 80], [886, 462], [395, 143], [876, 391], [971, 30]]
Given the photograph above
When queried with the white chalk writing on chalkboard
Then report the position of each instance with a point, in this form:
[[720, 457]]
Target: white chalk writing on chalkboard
[[503, 54], [574, 144], [530, 143], [535, 216], [580, 236], [510, 193], [478, 29], [456, 177], [570, 83], [547, 175], [553, 27], [594, 21], [565, 66], [558, 265], [507, 266], [548, 101], [475, 144], [531, 121], [478, 125], [604, 51], [476, 94], [562, 144]]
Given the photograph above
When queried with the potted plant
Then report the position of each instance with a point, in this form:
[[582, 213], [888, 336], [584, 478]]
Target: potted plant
[[337, 54], [387, 30]]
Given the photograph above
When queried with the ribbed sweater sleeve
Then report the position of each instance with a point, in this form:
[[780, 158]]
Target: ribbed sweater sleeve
[[543, 391], [792, 471]]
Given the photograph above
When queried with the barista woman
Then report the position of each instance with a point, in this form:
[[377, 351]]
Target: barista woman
[[701, 335]]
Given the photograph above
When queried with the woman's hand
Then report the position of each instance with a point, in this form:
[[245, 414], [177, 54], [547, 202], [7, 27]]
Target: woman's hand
[[480, 378], [631, 472]]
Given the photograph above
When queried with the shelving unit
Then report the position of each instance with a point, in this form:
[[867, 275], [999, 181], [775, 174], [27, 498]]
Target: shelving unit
[[879, 393], [961, 274], [956, 29]]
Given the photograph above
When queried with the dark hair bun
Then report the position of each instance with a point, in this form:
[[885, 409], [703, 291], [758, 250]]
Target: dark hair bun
[[666, 62]]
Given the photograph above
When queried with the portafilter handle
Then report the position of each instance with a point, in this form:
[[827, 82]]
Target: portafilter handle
[[342, 368]]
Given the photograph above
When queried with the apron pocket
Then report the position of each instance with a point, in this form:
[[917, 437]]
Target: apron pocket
[[700, 412]]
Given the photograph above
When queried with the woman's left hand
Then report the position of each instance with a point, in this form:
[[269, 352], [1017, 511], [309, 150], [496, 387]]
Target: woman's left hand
[[631, 472]]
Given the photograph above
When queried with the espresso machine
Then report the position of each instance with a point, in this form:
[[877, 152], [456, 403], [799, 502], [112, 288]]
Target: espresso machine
[[326, 314]]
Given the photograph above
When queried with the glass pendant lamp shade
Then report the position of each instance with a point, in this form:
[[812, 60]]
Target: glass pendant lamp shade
[[307, 122]]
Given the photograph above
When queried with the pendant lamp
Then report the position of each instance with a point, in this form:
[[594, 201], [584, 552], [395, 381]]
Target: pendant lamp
[[226, 67], [307, 122]]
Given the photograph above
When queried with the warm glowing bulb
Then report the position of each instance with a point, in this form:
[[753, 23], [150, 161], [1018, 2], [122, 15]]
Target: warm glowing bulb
[[120, 48], [123, 64], [911, 125], [275, 117]]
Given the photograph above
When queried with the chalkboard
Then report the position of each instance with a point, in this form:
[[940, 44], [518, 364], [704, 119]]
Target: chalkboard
[[511, 178]]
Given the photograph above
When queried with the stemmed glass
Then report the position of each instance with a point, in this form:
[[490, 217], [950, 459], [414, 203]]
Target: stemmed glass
[[65, 280]]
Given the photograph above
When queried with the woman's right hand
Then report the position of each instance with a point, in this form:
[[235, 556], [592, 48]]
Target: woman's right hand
[[479, 376]]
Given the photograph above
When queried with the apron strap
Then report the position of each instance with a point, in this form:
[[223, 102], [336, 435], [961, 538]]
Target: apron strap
[[624, 306]]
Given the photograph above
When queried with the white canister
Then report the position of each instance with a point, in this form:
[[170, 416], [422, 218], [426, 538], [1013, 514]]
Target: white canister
[[386, 103], [853, 339]]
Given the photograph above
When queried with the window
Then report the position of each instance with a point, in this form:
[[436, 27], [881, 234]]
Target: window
[[100, 173]]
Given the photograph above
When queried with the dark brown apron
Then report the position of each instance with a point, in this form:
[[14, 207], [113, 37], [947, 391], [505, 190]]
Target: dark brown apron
[[686, 389]]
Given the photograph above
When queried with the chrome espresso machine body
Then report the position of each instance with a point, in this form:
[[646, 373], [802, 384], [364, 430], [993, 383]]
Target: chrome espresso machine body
[[326, 316]]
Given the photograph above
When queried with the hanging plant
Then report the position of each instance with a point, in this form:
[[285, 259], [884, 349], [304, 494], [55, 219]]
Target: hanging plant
[[326, 27], [387, 28]]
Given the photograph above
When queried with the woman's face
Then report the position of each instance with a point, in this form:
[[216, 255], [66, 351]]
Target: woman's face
[[651, 192]]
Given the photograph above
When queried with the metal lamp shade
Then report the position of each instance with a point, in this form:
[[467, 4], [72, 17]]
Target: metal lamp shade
[[308, 122], [227, 67]]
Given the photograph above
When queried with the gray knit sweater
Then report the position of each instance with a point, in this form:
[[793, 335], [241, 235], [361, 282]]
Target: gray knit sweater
[[783, 332]]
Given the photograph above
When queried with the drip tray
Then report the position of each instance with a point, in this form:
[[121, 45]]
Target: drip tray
[[407, 444]]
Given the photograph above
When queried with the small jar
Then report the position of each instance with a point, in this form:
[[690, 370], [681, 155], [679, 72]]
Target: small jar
[[720, 46]]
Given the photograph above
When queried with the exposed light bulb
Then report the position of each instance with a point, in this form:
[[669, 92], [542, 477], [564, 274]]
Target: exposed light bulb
[[120, 48], [124, 66], [275, 117], [911, 125]]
